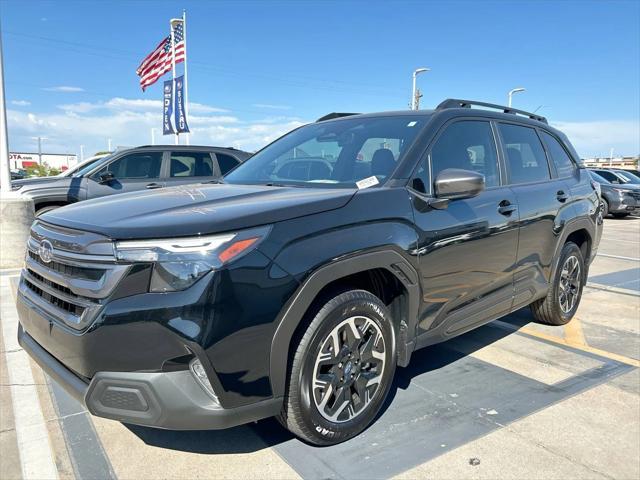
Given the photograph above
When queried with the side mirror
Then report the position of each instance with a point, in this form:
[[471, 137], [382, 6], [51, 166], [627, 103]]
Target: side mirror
[[107, 177], [455, 183]]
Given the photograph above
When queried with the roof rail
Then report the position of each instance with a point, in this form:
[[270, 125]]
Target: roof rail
[[457, 103], [332, 115]]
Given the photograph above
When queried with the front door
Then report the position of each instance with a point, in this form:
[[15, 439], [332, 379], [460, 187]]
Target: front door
[[135, 171], [468, 249]]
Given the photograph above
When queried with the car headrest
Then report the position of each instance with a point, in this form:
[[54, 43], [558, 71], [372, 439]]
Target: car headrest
[[382, 162]]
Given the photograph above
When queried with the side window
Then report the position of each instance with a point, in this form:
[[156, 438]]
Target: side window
[[468, 145], [135, 166], [612, 177], [561, 159], [190, 164], [526, 159], [226, 162]]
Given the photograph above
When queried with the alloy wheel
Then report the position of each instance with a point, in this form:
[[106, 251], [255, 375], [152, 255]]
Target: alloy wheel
[[570, 281], [348, 369]]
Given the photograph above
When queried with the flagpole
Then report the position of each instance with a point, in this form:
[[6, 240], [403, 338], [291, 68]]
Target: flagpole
[[186, 84], [173, 68]]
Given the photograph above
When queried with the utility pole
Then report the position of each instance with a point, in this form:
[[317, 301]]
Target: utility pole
[[39, 150], [153, 136], [611, 157], [82, 153], [109, 144], [416, 72], [416, 99]]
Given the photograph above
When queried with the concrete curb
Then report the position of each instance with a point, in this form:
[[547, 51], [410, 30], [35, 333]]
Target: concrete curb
[[16, 217]]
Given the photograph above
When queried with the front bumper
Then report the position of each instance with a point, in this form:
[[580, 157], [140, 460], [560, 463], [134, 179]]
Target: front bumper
[[170, 400]]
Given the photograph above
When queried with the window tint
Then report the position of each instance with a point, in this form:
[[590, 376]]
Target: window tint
[[190, 164], [559, 155], [525, 156], [226, 162], [136, 165], [612, 177], [468, 145]]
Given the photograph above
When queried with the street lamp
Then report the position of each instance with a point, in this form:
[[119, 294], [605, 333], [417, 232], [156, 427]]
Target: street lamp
[[416, 72], [39, 139], [515, 90]]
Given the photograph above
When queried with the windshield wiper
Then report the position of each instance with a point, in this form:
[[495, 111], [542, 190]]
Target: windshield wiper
[[217, 181]]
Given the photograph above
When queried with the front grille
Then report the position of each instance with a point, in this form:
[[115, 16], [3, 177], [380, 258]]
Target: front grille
[[73, 309], [73, 287], [69, 270]]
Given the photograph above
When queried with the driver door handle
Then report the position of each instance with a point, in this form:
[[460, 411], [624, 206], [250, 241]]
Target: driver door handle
[[506, 208], [151, 186]]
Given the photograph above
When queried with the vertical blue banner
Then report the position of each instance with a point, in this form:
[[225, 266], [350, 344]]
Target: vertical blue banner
[[181, 116], [167, 108]]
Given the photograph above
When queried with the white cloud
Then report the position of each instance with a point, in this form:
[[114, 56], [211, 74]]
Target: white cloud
[[271, 106], [133, 104], [130, 124], [597, 138], [64, 88], [21, 103]]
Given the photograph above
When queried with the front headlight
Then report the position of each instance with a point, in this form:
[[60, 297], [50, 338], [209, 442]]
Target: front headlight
[[180, 262]]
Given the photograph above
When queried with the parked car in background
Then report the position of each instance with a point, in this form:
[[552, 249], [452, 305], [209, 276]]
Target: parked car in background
[[297, 285], [146, 167], [18, 174], [17, 184], [617, 176], [618, 199]]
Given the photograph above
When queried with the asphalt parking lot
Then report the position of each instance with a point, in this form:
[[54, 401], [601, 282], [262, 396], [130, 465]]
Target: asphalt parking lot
[[512, 399]]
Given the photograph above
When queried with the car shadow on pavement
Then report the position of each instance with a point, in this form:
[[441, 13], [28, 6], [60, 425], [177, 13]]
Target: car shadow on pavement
[[268, 433]]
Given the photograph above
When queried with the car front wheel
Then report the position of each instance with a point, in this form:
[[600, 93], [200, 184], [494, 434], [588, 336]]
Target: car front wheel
[[342, 369]]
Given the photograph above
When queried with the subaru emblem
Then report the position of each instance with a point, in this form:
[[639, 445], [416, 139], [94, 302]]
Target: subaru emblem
[[45, 251]]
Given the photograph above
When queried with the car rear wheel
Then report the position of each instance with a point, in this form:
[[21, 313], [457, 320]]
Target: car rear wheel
[[342, 369], [563, 298]]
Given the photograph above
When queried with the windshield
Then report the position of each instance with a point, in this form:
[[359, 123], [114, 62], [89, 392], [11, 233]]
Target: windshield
[[628, 177], [597, 177], [89, 166], [335, 153]]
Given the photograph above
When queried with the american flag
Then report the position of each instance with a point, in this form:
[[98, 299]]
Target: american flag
[[158, 62]]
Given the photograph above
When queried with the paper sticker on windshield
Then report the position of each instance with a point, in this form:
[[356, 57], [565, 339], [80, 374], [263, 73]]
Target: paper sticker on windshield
[[367, 182], [411, 124]]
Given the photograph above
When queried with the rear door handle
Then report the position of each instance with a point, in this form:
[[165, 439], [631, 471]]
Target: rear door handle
[[561, 196], [506, 208], [151, 186]]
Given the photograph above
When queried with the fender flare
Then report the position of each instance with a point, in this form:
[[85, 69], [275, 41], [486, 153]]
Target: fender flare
[[292, 314], [571, 227]]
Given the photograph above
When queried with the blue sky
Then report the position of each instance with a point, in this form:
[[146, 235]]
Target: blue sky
[[260, 68]]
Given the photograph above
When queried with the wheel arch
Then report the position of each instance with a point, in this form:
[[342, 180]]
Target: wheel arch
[[582, 232], [374, 266]]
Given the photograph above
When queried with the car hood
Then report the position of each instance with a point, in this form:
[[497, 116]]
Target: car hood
[[195, 209], [41, 182], [631, 187], [35, 180]]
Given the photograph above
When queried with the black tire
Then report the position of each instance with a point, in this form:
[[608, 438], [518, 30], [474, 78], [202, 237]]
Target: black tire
[[46, 209], [620, 215], [605, 208], [551, 310], [301, 413]]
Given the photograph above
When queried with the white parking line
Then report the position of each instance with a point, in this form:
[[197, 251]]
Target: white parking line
[[618, 257], [36, 459]]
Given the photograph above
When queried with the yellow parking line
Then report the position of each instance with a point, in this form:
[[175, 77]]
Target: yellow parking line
[[573, 333], [585, 348]]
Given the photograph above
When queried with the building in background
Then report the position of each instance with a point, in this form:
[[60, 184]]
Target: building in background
[[59, 161], [630, 163]]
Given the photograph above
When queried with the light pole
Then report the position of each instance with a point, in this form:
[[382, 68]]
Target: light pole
[[416, 72], [81, 153], [5, 172], [153, 136], [109, 144], [39, 139], [515, 90]]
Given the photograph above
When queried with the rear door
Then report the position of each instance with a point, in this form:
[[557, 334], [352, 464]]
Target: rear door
[[189, 166], [544, 205], [132, 171], [467, 250]]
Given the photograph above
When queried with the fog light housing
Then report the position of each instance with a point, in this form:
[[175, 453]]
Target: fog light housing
[[197, 369]]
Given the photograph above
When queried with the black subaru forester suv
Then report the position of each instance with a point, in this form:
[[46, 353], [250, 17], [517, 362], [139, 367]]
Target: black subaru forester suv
[[295, 287]]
